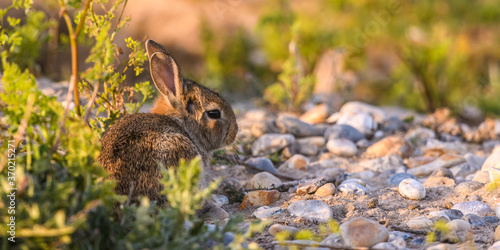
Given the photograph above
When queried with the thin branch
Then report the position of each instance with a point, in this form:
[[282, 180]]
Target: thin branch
[[91, 103], [82, 18], [22, 128]]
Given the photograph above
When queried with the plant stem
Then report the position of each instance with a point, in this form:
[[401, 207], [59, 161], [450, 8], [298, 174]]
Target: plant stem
[[73, 35]]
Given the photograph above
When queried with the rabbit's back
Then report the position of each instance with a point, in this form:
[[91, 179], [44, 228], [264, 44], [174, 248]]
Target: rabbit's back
[[135, 145]]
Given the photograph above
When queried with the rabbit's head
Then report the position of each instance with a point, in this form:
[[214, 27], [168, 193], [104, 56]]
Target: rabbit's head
[[202, 112]]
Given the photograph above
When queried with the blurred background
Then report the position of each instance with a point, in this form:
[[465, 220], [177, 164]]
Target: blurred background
[[287, 55]]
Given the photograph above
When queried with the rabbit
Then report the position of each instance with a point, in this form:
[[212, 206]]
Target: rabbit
[[186, 121]]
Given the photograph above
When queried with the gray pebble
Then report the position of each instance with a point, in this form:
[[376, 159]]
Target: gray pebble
[[491, 219], [313, 209], [271, 143], [292, 125], [474, 220], [352, 188], [266, 212], [397, 178], [343, 132], [261, 163], [468, 187], [442, 172], [478, 208]]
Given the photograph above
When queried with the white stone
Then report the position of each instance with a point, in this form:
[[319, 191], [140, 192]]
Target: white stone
[[342, 147], [411, 189]]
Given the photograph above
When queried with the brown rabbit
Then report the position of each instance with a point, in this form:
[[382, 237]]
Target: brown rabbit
[[186, 120]]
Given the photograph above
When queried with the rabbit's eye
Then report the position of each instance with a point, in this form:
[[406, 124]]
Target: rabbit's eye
[[214, 114]]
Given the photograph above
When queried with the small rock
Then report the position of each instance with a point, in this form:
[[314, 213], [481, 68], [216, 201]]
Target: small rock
[[363, 122], [474, 161], [217, 214], [315, 115], [491, 219], [266, 212], [478, 208], [315, 140], [313, 209], [259, 198], [342, 147], [442, 172], [228, 238], [393, 124], [474, 220], [421, 222], [434, 145], [458, 225], [304, 149], [262, 163], [414, 162], [378, 134], [412, 189], [445, 161], [442, 246], [382, 164], [474, 198], [397, 234], [355, 180], [277, 228], [497, 210], [310, 186], [399, 243], [364, 175], [264, 180], [491, 161], [292, 125], [420, 136], [271, 143], [387, 146], [326, 190], [297, 161], [343, 132], [363, 143], [232, 189], [260, 128], [384, 245], [468, 187], [373, 203], [363, 232], [418, 241], [219, 200], [354, 107], [482, 177], [352, 188], [497, 233], [397, 178], [331, 240]]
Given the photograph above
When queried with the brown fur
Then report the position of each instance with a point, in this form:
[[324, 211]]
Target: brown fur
[[178, 127]]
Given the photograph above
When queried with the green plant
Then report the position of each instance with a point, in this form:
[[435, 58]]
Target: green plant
[[293, 87], [64, 199]]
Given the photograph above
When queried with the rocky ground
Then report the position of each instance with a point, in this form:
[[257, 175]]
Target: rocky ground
[[391, 178]]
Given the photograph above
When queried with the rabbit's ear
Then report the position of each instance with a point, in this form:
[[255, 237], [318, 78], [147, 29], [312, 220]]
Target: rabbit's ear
[[167, 76], [153, 47]]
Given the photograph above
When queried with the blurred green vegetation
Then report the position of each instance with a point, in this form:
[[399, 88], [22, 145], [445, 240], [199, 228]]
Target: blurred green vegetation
[[63, 198], [417, 54]]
